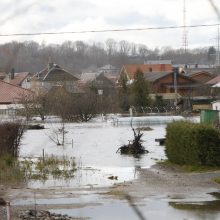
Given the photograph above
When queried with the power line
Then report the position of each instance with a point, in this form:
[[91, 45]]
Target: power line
[[111, 30], [215, 8]]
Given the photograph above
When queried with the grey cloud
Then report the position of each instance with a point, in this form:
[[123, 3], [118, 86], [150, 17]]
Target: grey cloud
[[54, 14]]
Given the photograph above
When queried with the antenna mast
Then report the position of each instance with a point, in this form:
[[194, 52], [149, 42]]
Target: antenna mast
[[217, 51], [185, 37]]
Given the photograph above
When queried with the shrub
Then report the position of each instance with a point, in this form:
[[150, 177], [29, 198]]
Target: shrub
[[192, 144], [10, 137]]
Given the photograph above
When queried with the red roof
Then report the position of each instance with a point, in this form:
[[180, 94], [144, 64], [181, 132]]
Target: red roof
[[19, 78], [214, 80], [10, 94], [131, 69]]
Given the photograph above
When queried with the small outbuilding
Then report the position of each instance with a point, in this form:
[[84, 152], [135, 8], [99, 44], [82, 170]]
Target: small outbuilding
[[216, 105]]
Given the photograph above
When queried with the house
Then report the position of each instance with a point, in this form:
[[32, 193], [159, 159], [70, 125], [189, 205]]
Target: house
[[11, 97], [213, 81], [216, 105], [158, 62], [201, 76], [18, 79], [99, 81], [51, 76], [216, 86], [129, 70], [108, 69], [164, 82]]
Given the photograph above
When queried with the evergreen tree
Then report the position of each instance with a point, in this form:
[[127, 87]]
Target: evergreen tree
[[211, 55], [140, 90]]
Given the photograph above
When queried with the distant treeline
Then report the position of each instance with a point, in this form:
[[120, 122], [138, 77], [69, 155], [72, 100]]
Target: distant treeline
[[76, 56]]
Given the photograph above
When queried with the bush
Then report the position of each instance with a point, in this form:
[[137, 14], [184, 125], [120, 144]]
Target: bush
[[192, 144], [10, 137]]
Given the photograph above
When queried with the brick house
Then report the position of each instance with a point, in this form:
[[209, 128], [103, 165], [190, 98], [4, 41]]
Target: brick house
[[11, 97]]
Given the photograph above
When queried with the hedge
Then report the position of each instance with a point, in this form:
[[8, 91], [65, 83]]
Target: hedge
[[10, 137], [192, 144]]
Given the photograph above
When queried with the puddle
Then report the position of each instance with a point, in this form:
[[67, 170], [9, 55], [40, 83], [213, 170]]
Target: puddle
[[213, 203], [59, 200], [99, 207], [150, 210]]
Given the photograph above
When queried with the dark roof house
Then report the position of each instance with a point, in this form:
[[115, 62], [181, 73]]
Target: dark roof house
[[98, 81], [163, 82], [54, 72], [201, 76], [53, 75]]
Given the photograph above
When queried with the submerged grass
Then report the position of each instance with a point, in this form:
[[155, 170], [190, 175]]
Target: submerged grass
[[49, 167], [14, 171]]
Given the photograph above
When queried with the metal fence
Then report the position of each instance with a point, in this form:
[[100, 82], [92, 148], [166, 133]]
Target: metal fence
[[5, 211]]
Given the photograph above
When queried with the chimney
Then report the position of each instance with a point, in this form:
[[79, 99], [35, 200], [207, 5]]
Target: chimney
[[50, 65], [12, 74]]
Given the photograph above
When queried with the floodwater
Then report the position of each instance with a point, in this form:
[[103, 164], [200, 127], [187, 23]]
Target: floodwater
[[94, 146], [99, 206]]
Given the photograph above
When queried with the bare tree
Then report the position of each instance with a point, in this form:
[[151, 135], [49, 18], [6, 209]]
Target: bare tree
[[85, 106], [111, 47], [41, 104]]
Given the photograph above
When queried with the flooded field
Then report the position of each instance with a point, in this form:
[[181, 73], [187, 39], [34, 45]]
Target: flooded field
[[94, 149], [90, 193]]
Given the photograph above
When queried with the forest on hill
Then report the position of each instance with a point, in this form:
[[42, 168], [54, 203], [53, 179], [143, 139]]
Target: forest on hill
[[78, 56]]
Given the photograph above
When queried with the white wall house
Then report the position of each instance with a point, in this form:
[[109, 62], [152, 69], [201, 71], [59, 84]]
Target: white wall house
[[216, 105]]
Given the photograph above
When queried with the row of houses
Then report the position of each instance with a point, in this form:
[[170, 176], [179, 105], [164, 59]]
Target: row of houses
[[187, 82]]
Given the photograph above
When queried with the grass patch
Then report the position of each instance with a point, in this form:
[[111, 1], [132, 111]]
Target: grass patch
[[217, 180], [11, 172], [188, 168], [202, 206], [115, 193]]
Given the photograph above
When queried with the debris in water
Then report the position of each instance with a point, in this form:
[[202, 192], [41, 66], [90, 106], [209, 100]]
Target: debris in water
[[135, 146]]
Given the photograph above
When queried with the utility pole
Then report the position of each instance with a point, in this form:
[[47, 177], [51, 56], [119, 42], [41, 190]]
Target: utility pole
[[175, 74], [217, 51]]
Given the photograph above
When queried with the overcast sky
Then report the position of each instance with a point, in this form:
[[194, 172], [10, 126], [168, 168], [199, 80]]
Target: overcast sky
[[28, 16]]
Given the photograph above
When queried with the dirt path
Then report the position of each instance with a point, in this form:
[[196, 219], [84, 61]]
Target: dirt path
[[166, 181]]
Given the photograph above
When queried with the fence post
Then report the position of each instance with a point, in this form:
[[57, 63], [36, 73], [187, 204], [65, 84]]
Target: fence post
[[8, 211], [43, 155]]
